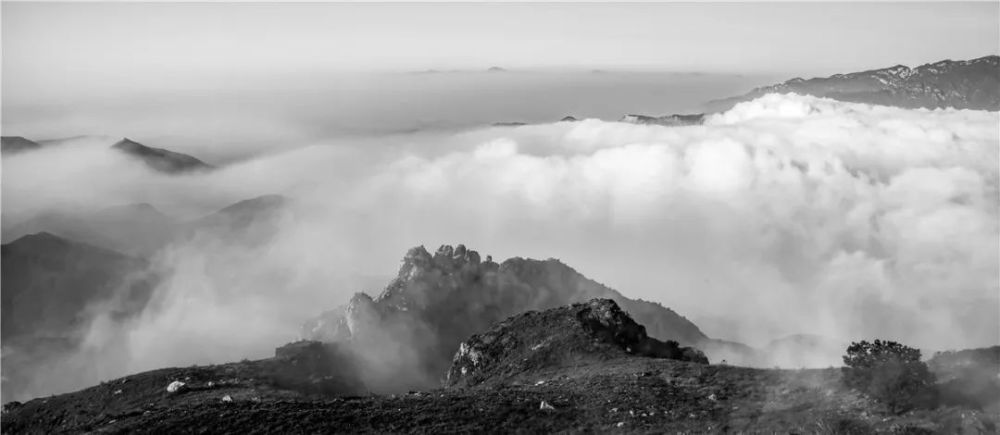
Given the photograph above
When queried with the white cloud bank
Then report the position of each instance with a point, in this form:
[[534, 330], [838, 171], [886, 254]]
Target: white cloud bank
[[787, 214]]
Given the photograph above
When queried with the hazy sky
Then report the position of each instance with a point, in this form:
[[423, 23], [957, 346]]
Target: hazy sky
[[60, 45]]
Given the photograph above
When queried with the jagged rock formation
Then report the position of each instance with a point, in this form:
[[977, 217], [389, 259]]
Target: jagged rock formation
[[438, 300], [668, 120], [162, 160], [15, 144], [573, 335], [966, 84]]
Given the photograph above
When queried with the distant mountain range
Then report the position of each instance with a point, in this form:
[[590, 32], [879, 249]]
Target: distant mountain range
[[71, 269], [964, 84], [668, 120], [53, 288], [16, 144], [133, 229], [158, 159]]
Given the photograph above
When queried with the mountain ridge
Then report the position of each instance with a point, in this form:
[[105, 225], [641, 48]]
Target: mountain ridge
[[964, 84], [162, 160]]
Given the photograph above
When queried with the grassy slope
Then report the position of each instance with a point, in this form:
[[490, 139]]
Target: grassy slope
[[631, 394]]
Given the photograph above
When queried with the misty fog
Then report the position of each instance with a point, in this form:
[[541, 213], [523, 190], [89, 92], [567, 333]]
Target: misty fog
[[228, 118], [784, 215]]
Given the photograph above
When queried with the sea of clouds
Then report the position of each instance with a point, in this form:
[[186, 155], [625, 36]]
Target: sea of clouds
[[785, 215]]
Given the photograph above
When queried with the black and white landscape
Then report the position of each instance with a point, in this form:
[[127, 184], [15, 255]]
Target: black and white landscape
[[357, 217]]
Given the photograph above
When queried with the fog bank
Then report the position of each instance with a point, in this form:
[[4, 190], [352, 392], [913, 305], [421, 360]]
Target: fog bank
[[785, 215]]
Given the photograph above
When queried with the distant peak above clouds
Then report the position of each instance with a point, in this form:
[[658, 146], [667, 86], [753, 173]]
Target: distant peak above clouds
[[964, 84], [13, 144], [162, 160]]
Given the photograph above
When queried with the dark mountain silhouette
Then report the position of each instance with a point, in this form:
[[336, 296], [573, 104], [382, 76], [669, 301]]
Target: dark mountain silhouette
[[49, 280], [964, 84], [162, 160], [15, 144], [52, 289], [249, 221], [141, 230], [133, 229]]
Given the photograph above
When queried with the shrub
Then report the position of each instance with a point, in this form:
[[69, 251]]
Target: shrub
[[889, 372]]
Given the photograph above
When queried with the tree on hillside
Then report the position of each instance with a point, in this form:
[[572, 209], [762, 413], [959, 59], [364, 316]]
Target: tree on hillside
[[889, 372]]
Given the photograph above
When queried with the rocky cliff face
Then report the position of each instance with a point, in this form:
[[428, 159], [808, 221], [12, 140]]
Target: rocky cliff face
[[438, 300], [966, 84]]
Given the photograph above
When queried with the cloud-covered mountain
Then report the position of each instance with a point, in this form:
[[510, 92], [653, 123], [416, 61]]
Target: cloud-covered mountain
[[53, 288], [49, 280], [162, 160], [964, 84], [13, 144], [438, 300], [134, 229]]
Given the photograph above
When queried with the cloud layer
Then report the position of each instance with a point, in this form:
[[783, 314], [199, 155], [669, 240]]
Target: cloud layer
[[785, 215]]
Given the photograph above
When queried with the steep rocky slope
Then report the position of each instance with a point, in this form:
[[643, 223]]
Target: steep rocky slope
[[964, 84]]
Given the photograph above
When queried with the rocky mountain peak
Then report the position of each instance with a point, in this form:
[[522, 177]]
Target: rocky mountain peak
[[439, 299]]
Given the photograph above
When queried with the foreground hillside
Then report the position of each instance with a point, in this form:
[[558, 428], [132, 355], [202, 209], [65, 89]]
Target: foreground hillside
[[587, 378]]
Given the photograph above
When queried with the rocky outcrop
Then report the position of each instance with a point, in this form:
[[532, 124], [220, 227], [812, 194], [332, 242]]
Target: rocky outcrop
[[594, 331], [966, 84]]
